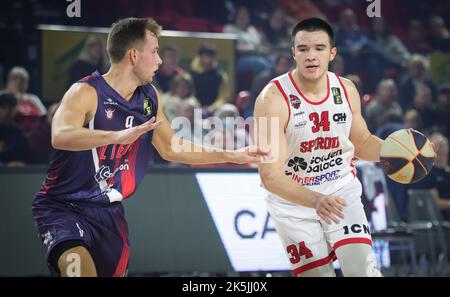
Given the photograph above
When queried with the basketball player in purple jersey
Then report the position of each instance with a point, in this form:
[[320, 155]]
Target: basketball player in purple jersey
[[103, 131]]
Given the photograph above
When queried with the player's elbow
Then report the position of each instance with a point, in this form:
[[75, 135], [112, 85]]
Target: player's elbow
[[57, 142], [268, 178]]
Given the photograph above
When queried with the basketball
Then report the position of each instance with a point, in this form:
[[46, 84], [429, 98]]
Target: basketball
[[407, 156]]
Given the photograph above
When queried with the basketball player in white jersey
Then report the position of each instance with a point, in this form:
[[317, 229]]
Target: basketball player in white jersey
[[313, 195]]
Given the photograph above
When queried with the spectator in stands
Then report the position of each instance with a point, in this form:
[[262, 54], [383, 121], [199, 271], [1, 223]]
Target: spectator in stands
[[356, 80], [351, 41], [14, 149], [251, 54], [439, 35], [40, 137], [388, 48], [338, 65], [235, 134], [422, 103], [299, 10], [412, 119], [187, 111], [249, 38], [275, 32], [29, 107], [439, 178], [416, 41], [442, 109], [282, 65], [170, 67], [211, 83], [185, 125], [385, 101], [181, 88], [417, 76], [91, 58]]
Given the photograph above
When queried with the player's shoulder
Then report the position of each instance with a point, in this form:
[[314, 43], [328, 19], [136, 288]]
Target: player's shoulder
[[348, 84], [81, 88], [271, 101], [150, 90], [81, 93]]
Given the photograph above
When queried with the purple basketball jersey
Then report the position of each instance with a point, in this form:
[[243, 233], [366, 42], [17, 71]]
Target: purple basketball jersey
[[109, 173]]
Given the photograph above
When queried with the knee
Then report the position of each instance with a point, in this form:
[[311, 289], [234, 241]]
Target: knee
[[76, 262], [357, 261]]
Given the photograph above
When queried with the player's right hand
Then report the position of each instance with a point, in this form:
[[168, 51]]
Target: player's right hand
[[130, 135], [330, 208]]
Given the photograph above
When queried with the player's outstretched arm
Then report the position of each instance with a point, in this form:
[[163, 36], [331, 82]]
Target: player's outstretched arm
[[172, 148], [77, 108], [271, 116], [367, 145]]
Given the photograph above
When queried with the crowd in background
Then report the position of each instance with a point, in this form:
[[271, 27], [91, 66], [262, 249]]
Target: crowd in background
[[387, 58]]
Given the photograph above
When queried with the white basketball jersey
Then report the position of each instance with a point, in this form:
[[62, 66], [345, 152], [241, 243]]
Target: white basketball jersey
[[320, 155]]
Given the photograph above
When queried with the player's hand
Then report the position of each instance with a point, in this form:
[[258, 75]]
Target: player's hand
[[130, 135], [330, 208], [251, 154]]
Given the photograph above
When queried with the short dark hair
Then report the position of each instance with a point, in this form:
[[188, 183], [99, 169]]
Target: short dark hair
[[128, 33], [312, 25], [170, 48], [8, 100], [207, 49]]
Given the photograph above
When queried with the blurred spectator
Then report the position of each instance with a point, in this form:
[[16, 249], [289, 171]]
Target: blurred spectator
[[417, 76], [249, 38], [388, 47], [282, 65], [276, 35], [338, 65], [439, 178], [385, 101], [389, 123], [181, 88], [185, 126], [29, 107], [187, 111], [236, 136], [442, 109], [422, 103], [92, 57], [211, 83], [350, 41], [249, 48], [356, 80], [439, 35], [40, 137], [14, 149], [412, 119], [170, 67], [299, 10], [416, 41]]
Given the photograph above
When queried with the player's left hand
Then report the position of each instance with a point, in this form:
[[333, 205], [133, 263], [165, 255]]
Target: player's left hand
[[251, 154]]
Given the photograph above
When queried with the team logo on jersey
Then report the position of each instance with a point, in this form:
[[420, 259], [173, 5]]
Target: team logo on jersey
[[340, 118], [109, 113], [297, 163], [320, 143], [336, 95], [315, 180], [147, 107], [109, 101], [295, 101]]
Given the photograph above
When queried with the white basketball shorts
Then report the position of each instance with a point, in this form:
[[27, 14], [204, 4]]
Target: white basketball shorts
[[310, 242]]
